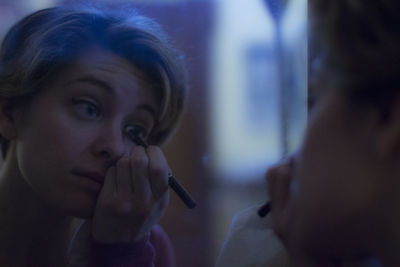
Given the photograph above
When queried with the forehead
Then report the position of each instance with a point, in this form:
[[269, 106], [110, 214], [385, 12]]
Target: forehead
[[110, 71], [101, 61]]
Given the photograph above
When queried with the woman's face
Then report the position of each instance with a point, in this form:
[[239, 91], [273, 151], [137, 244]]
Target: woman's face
[[338, 175], [75, 129]]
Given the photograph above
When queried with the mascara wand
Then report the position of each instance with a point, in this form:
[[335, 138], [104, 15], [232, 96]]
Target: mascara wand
[[172, 182]]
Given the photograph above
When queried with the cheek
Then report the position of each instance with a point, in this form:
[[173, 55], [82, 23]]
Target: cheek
[[318, 170], [327, 171], [332, 167], [40, 160], [46, 160], [48, 148], [326, 157], [335, 186], [53, 135]]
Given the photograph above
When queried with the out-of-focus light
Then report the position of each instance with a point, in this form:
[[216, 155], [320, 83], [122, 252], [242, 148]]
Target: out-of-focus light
[[245, 86]]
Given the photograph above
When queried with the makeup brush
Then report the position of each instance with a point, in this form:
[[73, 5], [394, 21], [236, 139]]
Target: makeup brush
[[172, 182]]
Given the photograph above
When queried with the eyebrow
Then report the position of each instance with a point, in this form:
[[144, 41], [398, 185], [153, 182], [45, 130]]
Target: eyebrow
[[93, 81], [109, 90]]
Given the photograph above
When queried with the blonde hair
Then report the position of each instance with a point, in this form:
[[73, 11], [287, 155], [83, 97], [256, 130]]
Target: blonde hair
[[45, 42]]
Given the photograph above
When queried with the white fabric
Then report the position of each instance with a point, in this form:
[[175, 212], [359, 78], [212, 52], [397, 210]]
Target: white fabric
[[251, 243]]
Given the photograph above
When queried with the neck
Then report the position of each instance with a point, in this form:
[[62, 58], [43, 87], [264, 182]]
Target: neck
[[30, 232]]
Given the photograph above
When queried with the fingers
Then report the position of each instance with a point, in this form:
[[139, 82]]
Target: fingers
[[139, 174], [133, 198], [124, 184], [110, 186], [149, 172], [158, 171]]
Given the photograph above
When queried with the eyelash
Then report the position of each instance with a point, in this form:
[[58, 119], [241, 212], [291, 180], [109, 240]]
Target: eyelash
[[138, 131]]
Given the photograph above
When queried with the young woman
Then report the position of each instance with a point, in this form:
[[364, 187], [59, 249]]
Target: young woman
[[73, 83], [339, 198]]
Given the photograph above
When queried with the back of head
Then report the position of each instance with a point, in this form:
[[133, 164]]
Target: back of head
[[45, 42], [357, 43]]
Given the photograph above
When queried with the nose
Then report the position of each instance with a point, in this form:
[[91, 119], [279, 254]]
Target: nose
[[110, 144]]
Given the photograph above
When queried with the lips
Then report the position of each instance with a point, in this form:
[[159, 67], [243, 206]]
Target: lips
[[92, 175]]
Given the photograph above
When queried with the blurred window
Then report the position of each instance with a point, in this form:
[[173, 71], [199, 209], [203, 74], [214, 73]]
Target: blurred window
[[258, 86]]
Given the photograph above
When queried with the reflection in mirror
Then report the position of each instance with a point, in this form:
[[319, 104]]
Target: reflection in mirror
[[245, 110]]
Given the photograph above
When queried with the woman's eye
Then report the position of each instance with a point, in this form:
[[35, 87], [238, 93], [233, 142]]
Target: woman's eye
[[86, 109], [137, 131]]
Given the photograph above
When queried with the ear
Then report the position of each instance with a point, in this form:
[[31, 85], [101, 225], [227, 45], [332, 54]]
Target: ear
[[388, 137], [7, 121]]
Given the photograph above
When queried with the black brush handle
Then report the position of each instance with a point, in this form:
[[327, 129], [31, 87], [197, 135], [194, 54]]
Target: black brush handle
[[181, 192], [172, 182]]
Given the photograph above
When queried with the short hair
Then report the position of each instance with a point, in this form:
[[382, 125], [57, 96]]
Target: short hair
[[357, 43], [43, 43]]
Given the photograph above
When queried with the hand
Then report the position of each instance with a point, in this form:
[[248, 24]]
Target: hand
[[284, 215], [133, 198]]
